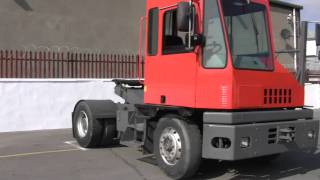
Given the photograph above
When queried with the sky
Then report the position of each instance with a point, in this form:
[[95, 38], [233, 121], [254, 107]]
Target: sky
[[311, 9]]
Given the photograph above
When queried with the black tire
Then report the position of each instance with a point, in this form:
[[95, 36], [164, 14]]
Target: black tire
[[95, 128], [191, 146]]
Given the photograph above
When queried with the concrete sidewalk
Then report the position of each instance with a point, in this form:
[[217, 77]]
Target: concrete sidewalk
[[52, 155]]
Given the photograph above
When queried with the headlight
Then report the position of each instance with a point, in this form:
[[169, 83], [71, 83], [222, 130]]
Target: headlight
[[311, 134], [245, 142]]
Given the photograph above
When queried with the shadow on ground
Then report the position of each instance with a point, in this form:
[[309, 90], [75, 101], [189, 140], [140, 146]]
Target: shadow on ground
[[285, 165]]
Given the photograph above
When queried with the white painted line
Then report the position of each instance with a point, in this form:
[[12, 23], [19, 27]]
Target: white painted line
[[75, 144], [37, 153], [290, 170]]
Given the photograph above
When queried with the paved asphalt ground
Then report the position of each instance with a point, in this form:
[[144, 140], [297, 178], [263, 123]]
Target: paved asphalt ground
[[53, 155]]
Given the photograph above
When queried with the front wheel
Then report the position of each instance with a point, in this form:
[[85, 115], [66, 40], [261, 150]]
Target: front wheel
[[177, 147]]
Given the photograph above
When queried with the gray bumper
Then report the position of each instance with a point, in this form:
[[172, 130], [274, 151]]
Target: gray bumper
[[265, 139], [256, 116]]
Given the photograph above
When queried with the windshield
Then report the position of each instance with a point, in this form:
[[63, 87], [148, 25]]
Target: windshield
[[248, 34]]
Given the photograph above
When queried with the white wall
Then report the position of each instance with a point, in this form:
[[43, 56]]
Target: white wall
[[312, 95], [311, 48], [46, 104]]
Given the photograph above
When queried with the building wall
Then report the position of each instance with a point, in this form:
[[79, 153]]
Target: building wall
[[86, 25], [46, 104], [312, 96], [64, 25]]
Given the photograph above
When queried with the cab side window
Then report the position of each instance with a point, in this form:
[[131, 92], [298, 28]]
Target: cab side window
[[153, 29], [174, 41]]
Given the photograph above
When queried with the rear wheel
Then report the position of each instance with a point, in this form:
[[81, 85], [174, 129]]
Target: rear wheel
[[89, 131], [82, 124], [177, 147]]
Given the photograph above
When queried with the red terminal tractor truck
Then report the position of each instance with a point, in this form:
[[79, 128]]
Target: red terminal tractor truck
[[213, 89]]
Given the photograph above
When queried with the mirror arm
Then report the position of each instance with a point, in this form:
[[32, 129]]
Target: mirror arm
[[317, 34], [190, 13]]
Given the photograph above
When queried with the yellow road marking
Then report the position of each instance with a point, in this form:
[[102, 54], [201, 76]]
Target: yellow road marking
[[38, 153]]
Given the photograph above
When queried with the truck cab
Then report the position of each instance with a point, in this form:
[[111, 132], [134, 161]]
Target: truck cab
[[213, 88], [234, 67]]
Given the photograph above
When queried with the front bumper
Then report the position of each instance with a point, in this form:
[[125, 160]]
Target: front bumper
[[264, 139]]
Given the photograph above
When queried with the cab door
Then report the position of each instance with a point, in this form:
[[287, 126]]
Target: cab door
[[171, 74]]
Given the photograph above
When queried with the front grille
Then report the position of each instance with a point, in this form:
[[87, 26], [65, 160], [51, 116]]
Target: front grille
[[281, 135], [287, 134], [277, 96]]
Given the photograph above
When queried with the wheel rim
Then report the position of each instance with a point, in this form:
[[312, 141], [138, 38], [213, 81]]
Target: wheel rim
[[82, 124], [170, 146]]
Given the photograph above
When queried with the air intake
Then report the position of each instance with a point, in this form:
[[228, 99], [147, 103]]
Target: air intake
[[277, 96], [272, 136]]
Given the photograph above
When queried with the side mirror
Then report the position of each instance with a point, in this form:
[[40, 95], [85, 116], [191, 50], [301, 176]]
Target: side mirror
[[318, 34], [183, 16], [196, 40]]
